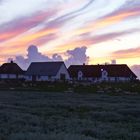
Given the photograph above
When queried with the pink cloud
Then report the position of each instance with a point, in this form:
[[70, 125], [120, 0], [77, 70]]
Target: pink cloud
[[19, 26], [128, 53]]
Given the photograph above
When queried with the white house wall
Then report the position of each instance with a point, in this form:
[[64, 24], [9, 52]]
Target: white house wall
[[21, 76], [63, 70], [119, 79], [124, 79], [101, 79], [114, 79], [12, 76], [3, 76], [42, 78], [8, 76], [28, 78]]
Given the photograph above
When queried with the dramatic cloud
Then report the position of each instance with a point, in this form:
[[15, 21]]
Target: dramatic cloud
[[76, 56], [60, 25], [33, 55]]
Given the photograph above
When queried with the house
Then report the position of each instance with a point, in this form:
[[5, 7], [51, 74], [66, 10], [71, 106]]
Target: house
[[11, 71], [99, 73], [47, 71]]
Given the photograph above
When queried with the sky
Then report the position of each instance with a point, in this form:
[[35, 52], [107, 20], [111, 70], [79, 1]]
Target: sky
[[77, 31]]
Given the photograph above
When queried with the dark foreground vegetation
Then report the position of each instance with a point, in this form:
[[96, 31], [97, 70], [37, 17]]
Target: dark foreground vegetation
[[78, 87], [44, 115]]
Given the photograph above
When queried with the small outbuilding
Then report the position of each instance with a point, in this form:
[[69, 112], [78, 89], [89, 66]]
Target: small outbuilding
[[11, 71], [47, 71]]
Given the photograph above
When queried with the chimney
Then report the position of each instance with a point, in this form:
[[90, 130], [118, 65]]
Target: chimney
[[11, 61]]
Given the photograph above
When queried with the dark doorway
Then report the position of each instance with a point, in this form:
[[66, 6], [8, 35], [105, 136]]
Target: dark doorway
[[62, 77], [34, 78]]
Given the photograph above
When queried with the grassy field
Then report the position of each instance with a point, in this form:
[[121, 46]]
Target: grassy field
[[68, 116]]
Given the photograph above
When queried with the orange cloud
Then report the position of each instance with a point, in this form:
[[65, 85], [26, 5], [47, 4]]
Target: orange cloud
[[106, 21], [25, 41], [129, 53]]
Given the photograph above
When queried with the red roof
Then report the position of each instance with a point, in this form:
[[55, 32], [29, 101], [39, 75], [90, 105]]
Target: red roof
[[113, 70]]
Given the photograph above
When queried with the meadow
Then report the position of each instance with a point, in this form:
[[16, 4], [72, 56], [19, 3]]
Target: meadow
[[42, 115]]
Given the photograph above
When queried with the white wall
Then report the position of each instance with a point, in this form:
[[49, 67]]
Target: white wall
[[42, 78], [21, 76], [115, 79], [112, 79], [124, 79], [3, 76], [8, 76], [28, 78], [38, 78], [63, 70], [11, 76]]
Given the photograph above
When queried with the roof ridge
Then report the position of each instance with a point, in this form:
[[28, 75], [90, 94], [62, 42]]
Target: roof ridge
[[48, 62]]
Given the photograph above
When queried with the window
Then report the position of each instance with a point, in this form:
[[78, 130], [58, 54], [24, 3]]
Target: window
[[49, 77], [80, 75]]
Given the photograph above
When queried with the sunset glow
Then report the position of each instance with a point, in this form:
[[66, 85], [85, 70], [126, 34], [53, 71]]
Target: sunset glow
[[109, 29]]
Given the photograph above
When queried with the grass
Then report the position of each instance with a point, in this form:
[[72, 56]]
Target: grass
[[68, 116], [111, 88]]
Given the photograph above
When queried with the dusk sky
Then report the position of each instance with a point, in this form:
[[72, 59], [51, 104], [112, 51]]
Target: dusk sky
[[110, 29]]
